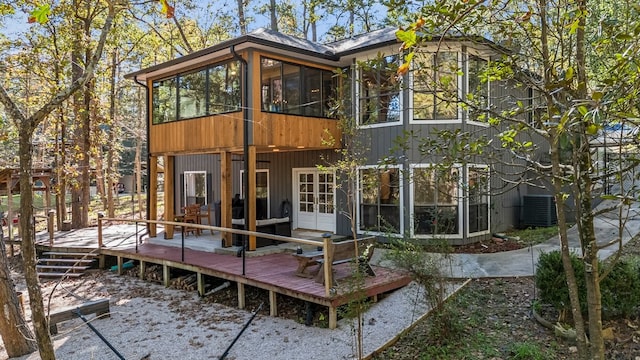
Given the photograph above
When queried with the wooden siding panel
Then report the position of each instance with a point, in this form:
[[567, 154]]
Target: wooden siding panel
[[197, 135]]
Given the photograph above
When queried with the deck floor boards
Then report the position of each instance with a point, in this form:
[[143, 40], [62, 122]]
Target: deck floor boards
[[273, 271]]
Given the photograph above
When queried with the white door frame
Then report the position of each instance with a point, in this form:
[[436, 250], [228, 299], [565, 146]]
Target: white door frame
[[328, 226]]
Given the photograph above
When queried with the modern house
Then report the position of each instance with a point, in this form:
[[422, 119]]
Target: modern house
[[260, 104]]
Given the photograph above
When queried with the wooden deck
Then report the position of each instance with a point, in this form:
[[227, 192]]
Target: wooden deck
[[274, 272]]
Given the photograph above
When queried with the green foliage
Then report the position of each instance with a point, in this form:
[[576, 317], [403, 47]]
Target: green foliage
[[535, 235], [527, 351], [620, 289], [552, 281]]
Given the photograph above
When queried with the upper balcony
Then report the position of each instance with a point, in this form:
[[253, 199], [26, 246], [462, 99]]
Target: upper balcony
[[203, 107]]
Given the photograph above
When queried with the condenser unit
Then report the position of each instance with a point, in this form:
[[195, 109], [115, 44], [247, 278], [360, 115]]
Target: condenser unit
[[539, 210]]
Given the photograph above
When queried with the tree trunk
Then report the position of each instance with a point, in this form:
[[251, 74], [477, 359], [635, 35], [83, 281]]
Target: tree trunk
[[111, 136], [241, 19], [14, 330], [274, 18], [76, 72], [40, 323]]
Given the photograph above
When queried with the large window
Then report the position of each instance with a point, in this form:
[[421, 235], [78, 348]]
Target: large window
[[164, 100], [478, 91], [435, 86], [295, 89], [224, 88], [379, 91], [379, 200], [436, 205], [478, 189], [192, 89], [206, 91]]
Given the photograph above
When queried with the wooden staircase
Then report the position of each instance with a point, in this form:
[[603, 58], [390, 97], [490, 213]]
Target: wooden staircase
[[55, 264]]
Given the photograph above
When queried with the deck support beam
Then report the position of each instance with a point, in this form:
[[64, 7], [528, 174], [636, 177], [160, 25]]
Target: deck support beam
[[169, 200], [226, 190], [152, 192], [119, 265], [241, 300], [333, 317], [200, 282], [143, 269], [273, 303], [166, 275], [250, 197]]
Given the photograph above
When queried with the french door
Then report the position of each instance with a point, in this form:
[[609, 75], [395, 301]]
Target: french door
[[315, 199]]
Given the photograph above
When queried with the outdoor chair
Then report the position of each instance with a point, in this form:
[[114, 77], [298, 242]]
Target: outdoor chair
[[191, 216]]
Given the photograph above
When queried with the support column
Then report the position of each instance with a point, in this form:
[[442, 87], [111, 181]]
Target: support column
[[152, 193], [169, 199], [241, 300], [226, 189], [250, 196]]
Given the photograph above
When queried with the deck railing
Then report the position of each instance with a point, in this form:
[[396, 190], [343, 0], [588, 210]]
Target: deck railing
[[328, 273]]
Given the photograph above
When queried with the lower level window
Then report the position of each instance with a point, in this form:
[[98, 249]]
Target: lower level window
[[478, 182], [379, 200], [436, 209]]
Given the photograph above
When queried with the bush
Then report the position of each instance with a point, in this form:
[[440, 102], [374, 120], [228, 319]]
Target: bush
[[620, 290], [552, 282]]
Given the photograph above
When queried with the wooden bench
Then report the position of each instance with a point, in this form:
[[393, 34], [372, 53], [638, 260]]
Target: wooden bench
[[307, 259], [99, 307], [344, 252]]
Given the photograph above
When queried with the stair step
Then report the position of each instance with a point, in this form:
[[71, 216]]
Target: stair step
[[72, 261], [59, 274], [61, 267], [70, 254]]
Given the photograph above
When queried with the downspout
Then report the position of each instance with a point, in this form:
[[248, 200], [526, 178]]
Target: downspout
[[148, 176], [245, 147]]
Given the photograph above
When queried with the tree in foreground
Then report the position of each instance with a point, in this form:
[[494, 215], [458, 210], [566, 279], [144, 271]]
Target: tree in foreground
[[27, 125], [578, 60]]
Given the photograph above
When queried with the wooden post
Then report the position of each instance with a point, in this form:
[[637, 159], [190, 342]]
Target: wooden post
[[152, 193], [100, 216], [169, 200], [10, 211], [119, 265], [241, 302], [273, 303], [250, 196], [333, 317], [200, 282], [50, 227], [143, 268], [166, 275], [328, 261], [225, 196]]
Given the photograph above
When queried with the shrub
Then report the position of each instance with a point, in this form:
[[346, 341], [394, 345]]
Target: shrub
[[552, 282], [620, 290]]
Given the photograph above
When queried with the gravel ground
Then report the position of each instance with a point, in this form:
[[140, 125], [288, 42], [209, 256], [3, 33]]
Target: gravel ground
[[149, 321]]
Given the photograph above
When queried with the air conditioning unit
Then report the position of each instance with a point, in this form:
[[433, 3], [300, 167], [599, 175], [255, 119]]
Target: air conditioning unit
[[539, 210]]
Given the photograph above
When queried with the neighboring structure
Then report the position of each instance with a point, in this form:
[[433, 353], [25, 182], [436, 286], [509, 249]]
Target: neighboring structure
[[260, 103]]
